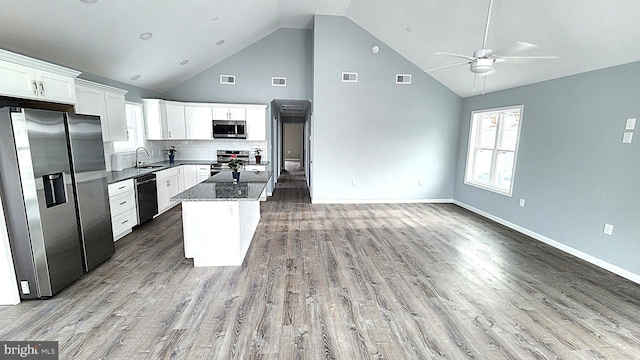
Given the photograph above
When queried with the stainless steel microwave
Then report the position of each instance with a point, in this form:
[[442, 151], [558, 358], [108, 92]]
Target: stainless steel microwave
[[229, 129]]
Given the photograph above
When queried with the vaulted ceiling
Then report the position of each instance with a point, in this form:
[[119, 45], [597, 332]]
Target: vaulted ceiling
[[187, 36]]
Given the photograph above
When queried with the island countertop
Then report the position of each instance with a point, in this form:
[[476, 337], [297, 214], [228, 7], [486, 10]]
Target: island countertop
[[221, 187]]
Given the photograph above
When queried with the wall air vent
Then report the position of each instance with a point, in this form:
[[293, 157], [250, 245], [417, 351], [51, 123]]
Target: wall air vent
[[403, 79], [349, 77], [278, 81], [228, 79]]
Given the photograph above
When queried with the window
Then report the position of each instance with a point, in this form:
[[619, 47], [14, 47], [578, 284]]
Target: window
[[493, 146], [135, 131]]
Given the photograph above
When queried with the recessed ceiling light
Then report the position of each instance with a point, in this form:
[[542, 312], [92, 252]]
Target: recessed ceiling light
[[184, 62], [220, 42], [88, 1], [135, 77], [146, 36]]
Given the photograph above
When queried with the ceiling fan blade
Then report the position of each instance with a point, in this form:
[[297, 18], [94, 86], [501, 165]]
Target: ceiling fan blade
[[518, 47], [448, 66], [440, 53], [523, 59]]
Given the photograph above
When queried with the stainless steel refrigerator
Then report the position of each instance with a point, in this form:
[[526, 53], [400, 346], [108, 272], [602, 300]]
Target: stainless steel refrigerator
[[54, 188]]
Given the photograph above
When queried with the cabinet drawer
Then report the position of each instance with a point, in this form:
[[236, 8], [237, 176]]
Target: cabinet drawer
[[123, 222], [121, 203], [120, 187]]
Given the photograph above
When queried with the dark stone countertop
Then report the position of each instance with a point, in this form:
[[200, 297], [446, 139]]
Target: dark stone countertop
[[221, 187]]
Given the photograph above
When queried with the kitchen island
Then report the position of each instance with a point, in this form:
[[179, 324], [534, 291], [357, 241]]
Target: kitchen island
[[220, 216]]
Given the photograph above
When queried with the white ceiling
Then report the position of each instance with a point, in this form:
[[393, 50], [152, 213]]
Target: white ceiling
[[103, 37]]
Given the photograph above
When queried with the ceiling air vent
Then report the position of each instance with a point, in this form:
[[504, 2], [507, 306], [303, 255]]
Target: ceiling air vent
[[403, 79], [278, 81], [228, 79], [349, 77]]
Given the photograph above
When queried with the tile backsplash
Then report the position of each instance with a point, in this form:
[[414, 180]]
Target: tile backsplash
[[185, 150]]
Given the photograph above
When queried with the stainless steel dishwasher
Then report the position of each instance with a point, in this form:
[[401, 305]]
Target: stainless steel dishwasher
[[147, 197]]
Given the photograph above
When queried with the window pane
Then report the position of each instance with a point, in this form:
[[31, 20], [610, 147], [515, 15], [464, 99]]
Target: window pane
[[510, 125], [488, 127], [482, 173], [504, 169]]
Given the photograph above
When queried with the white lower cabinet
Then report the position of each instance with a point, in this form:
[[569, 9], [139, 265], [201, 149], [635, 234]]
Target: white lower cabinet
[[168, 187], [189, 173], [124, 212], [203, 172]]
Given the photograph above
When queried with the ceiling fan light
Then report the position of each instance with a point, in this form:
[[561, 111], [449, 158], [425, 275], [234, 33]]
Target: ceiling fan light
[[481, 66]]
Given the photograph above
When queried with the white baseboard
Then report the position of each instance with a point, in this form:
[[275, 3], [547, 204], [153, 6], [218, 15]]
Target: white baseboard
[[560, 246], [372, 201]]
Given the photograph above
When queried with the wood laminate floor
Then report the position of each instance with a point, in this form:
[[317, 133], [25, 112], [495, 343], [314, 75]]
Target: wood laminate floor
[[396, 281]]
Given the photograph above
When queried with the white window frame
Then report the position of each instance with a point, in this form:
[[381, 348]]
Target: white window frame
[[136, 133], [474, 135]]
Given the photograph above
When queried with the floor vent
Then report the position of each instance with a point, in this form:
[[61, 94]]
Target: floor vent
[[349, 77], [403, 79], [278, 81], [228, 79]]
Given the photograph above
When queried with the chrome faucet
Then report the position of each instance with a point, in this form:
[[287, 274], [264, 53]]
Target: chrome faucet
[[145, 151]]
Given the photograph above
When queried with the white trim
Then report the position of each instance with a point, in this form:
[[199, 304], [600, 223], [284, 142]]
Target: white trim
[[99, 86], [560, 246], [374, 201], [37, 64]]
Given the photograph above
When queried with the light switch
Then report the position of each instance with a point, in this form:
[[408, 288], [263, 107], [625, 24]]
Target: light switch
[[608, 229], [630, 124], [626, 138]]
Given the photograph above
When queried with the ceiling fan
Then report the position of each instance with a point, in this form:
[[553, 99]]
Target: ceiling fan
[[482, 61]]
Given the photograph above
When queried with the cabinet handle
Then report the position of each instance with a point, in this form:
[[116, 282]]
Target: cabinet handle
[[124, 222], [35, 88], [169, 134], [41, 88], [122, 187], [122, 203], [168, 183]]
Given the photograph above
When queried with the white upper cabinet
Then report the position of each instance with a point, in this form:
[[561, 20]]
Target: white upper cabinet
[[155, 119], [23, 77], [199, 122], [176, 128], [228, 112], [256, 122], [108, 103]]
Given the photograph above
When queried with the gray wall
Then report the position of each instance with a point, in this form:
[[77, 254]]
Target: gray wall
[[293, 137], [572, 168], [385, 136], [285, 52]]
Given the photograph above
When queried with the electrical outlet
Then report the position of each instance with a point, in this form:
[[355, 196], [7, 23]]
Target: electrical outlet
[[230, 210], [608, 229], [521, 202], [354, 183], [25, 287], [627, 137], [630, 124]]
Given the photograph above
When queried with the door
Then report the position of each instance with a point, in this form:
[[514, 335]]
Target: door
[[49, 198], [198, 122], [91, 188]]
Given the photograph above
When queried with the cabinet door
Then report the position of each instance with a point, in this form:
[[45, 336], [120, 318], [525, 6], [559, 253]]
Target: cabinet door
[[91, 102], [221, 113], [198, 122], [167, 188], [237, 113], [54, 87], [189, 174], [17, 81], [256, 124], [202, 176], [175, 121], [116, 116], [153, 119]]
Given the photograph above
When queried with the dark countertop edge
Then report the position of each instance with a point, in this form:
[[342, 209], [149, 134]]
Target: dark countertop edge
[[175, 198], [128, 173]]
